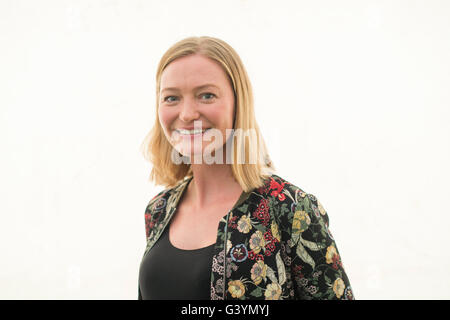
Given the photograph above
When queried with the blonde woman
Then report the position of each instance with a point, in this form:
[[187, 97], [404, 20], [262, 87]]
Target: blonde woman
[[226, 226]]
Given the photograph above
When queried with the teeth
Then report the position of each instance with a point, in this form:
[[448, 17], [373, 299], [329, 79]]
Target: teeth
[[182, 131]]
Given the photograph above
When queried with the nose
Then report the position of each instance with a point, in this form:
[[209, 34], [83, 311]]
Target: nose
[[188, 111]]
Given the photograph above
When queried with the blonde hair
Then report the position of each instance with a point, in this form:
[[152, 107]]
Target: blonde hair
[[157, 149]]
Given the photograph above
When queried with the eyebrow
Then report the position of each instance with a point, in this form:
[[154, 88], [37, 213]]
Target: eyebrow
[[196, 88]]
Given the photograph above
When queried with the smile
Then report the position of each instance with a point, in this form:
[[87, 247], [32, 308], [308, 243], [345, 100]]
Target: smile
[[192, 133]]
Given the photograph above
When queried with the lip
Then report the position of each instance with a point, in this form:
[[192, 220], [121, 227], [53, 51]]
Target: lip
[[191, 128], [178, 130]]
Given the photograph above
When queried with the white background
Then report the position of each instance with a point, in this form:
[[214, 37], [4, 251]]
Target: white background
[[352, 98]]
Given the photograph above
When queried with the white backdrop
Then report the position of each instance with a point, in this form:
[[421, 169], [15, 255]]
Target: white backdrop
[[352, 98]]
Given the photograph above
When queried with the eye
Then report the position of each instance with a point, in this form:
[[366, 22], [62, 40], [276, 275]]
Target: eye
[[208, 94], [212, 95], [165, 99]]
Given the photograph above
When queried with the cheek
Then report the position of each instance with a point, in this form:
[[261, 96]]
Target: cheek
[[223, 115], [165, 118]]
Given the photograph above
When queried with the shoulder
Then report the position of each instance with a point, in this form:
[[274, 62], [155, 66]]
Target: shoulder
[[156, 202], [287, 197], [279, 190], [161, 199], [160, 204], [298, 193]]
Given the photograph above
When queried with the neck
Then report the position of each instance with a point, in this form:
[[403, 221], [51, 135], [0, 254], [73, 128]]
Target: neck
[[212, 184]]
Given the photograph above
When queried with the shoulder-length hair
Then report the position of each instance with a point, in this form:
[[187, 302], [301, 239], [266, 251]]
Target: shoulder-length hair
[[157, 149]]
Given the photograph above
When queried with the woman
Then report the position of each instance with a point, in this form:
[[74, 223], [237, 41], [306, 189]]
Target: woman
[[226, 226]]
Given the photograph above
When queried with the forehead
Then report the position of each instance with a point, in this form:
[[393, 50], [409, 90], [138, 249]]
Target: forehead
[[192, 71]]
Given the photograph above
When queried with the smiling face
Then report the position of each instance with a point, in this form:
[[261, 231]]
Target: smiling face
[[195, 88]]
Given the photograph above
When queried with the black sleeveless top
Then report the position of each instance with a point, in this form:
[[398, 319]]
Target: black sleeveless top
[[170, 273]]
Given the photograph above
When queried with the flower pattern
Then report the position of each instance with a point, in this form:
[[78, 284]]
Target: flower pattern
[[257, 241], [236, 288], [273, 291], [274, 244], [239, 253], [258, 272], [244, 225]]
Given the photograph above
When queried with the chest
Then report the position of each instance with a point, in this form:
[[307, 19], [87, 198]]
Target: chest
[[191, 230]]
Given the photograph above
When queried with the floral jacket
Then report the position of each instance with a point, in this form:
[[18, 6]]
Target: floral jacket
[[273, 244]]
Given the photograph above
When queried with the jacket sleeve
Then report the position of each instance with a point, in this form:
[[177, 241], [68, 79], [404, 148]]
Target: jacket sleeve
[[316, 266]]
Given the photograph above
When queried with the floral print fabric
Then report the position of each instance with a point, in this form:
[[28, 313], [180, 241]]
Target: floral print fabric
[[274, 244]]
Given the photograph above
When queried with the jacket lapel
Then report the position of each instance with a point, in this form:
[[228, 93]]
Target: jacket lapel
[[170, 202]]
